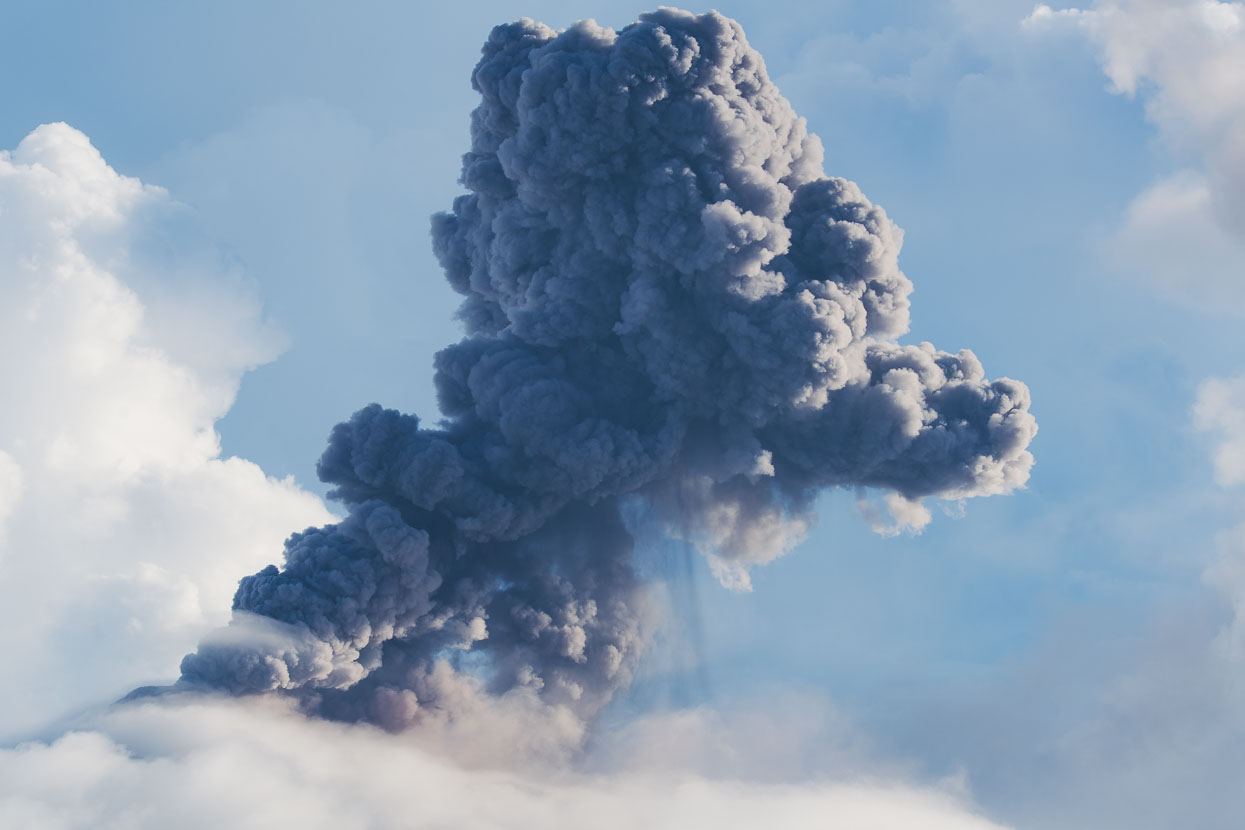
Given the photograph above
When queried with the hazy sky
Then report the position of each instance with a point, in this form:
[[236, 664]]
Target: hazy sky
[[1069, 183]]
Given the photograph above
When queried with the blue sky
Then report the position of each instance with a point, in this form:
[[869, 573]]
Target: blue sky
[[1068, 185]]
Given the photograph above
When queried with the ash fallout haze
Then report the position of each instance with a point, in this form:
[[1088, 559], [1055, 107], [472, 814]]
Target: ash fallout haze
[[682, 348]]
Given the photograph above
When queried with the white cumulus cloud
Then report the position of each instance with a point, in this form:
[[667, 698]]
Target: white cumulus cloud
[[123, 337]]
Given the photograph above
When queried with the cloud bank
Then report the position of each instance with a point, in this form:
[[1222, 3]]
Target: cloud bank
[[123, 336]]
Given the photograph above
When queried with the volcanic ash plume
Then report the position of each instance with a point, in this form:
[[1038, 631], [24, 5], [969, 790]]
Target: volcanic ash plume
[[672, 316]]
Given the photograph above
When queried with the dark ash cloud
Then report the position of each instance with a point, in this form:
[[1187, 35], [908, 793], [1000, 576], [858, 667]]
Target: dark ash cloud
[[671, 313]]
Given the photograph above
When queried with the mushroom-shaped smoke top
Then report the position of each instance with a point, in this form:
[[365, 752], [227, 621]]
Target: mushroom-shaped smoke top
[[671, 314]]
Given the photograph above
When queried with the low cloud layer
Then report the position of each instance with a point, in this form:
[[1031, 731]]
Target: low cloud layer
[[170, 764]]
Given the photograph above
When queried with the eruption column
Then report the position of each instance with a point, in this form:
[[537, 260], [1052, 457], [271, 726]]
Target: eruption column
[[670, 312]]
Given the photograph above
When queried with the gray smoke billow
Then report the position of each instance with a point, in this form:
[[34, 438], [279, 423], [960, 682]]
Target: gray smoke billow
[[672, 316]]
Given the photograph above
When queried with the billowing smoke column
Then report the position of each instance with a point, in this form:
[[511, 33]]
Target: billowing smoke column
[[671, 314]]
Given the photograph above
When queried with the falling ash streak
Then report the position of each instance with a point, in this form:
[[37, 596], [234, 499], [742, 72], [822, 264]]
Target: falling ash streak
[[675, 672], [699, 689]]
